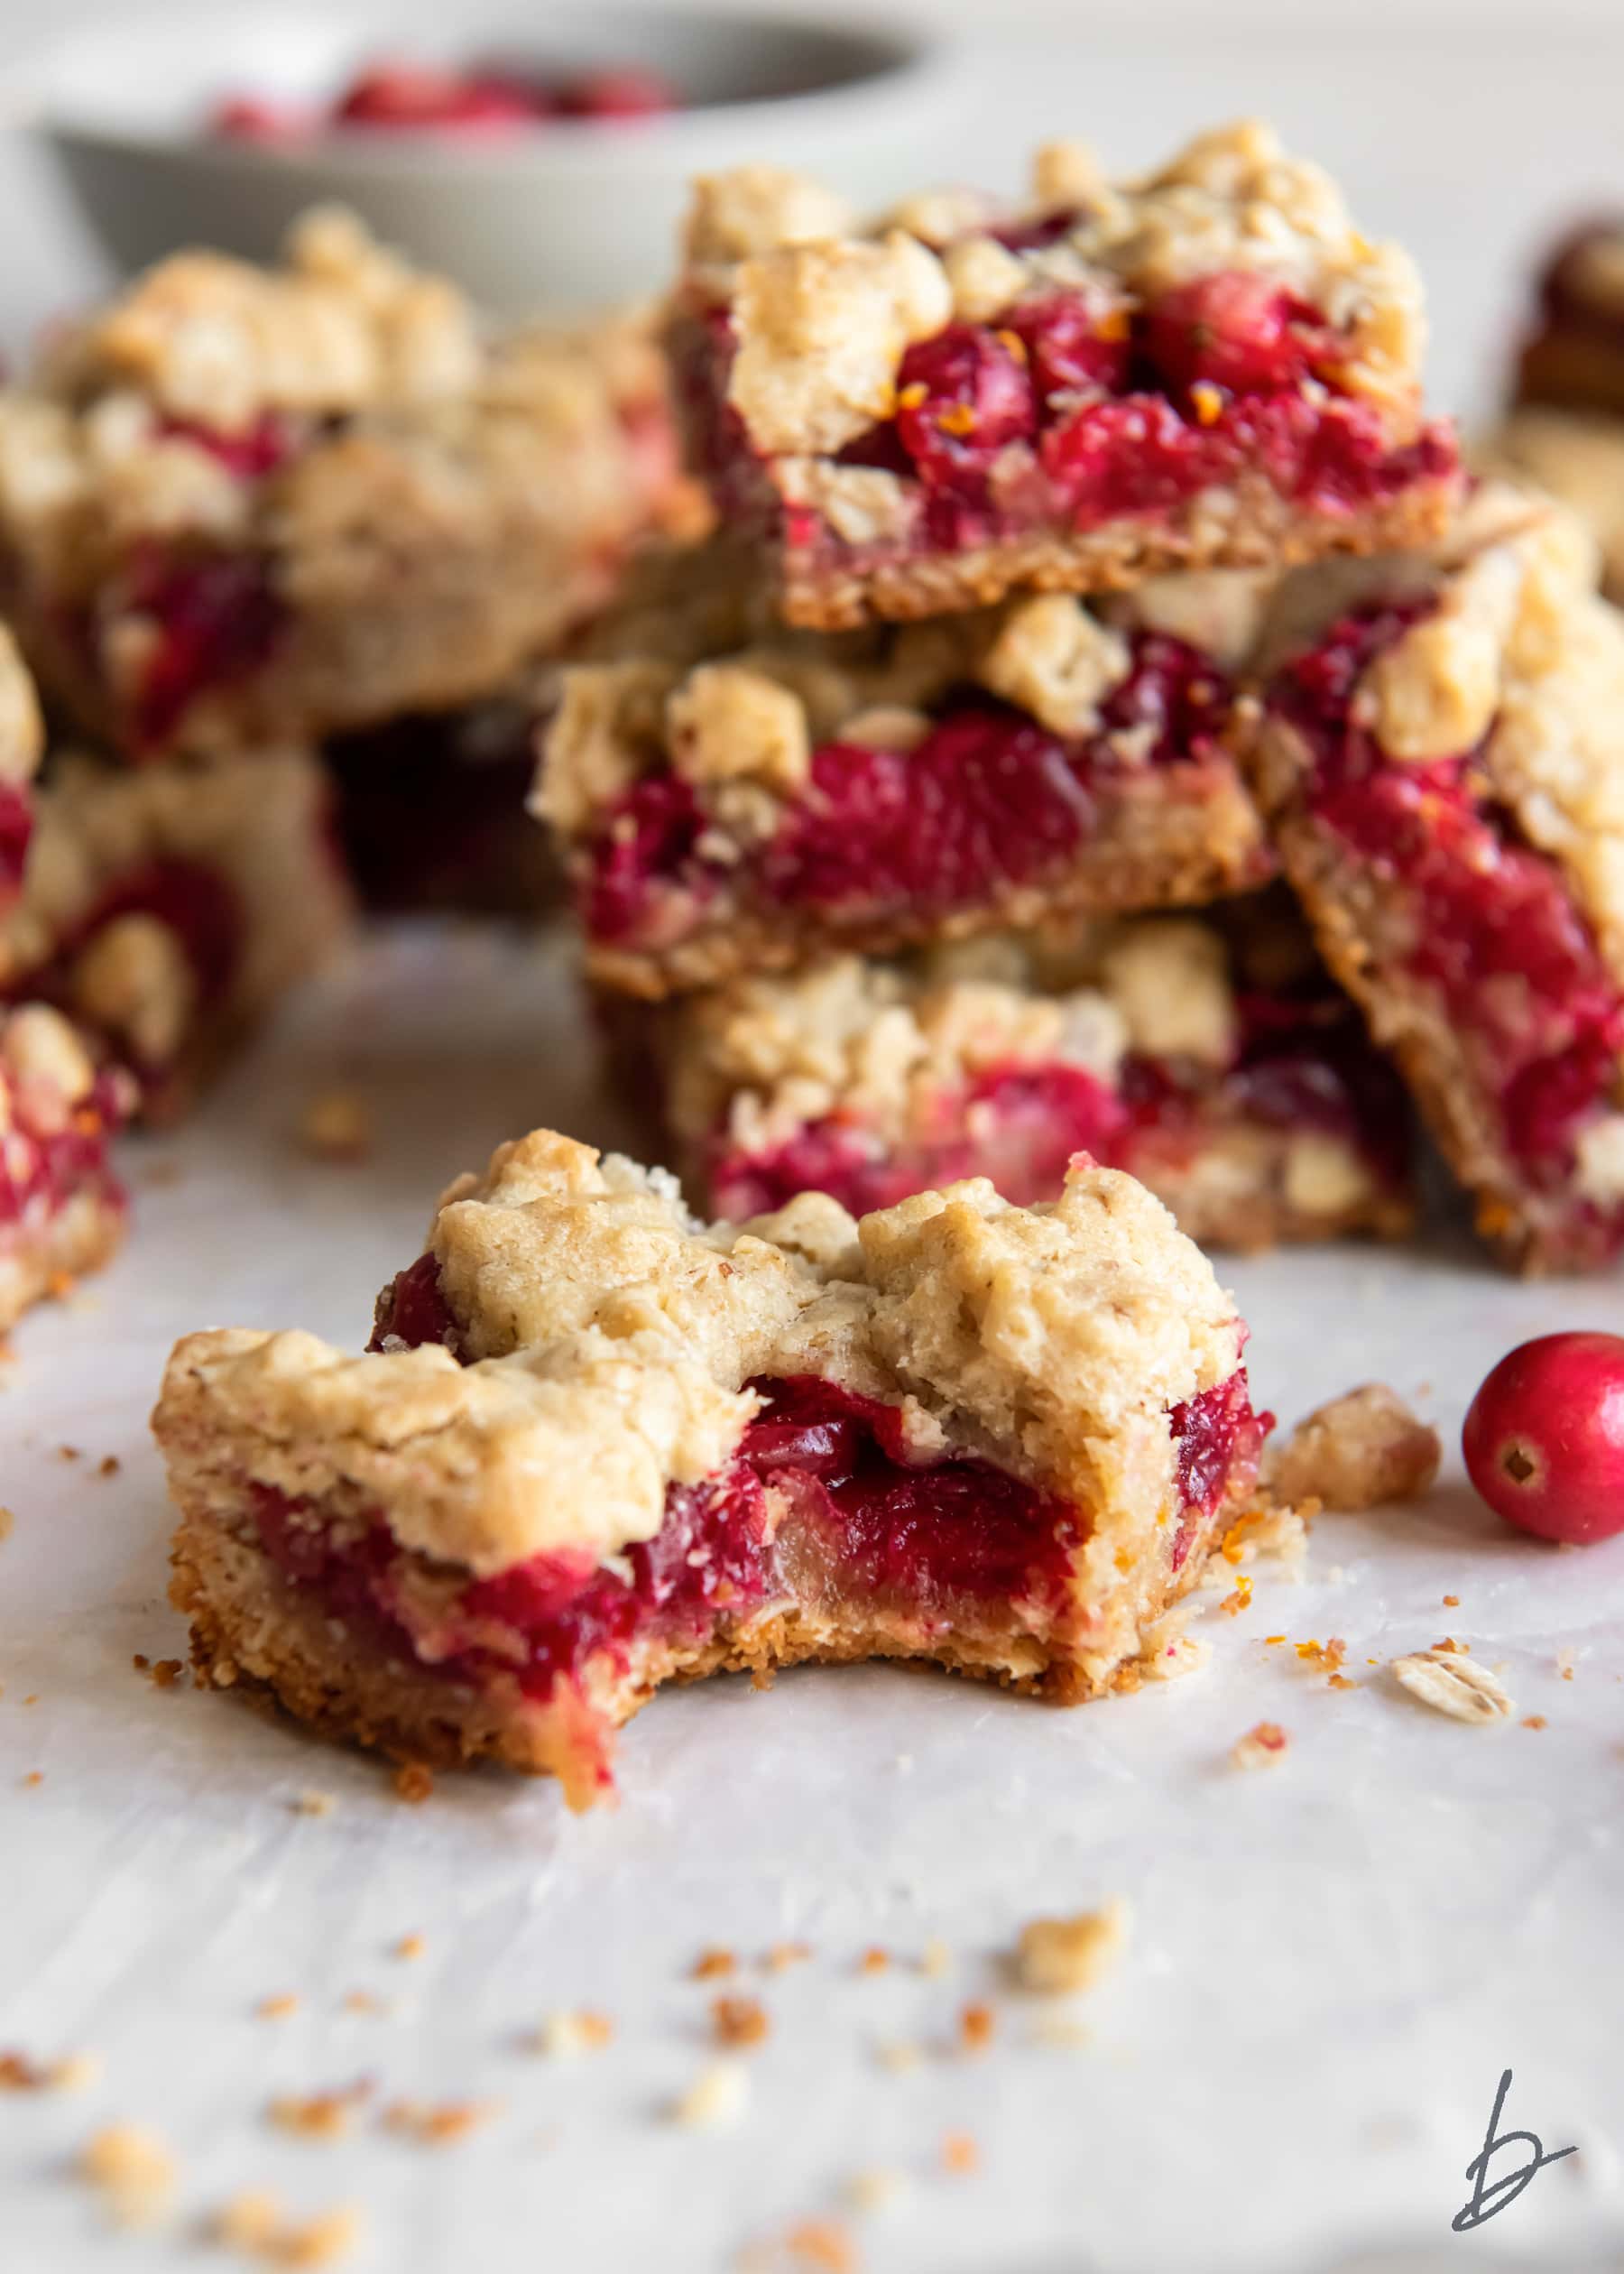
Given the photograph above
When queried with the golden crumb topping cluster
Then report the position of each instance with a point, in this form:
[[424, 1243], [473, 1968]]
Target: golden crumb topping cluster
[[823, 313], [21, 728], [613, 1337], [880, 1041]]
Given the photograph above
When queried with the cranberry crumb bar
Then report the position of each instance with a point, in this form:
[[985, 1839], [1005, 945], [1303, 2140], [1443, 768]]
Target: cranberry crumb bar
[[1210, 368], [243, 506], [1209, 1056], [871, 789], [1439, 752], [165, 910], [598, 1445], [61, 1208]]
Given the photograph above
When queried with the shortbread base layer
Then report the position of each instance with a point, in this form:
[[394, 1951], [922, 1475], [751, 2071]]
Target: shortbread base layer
[[1249, 526]]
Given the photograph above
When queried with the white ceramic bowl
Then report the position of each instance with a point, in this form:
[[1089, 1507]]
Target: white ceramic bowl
[[572, 214]]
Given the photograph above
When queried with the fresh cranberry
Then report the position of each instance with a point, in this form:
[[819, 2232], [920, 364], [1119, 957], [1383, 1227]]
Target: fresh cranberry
[[1543, 1438], [628, 92], [962, 397], [1073, 346], [17, 827], [1237, 330], [413, 94]]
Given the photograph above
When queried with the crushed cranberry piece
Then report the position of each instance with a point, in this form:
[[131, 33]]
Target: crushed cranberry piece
[[413, 1309], [1495, 928], [53, 1152], [257, 451], [961, 398], [1074, 346], [16, 828], [629, 91], [1220, 1439], [1139, 454], [218, 622], [1238, 331], [988, 799], [1031, 235]]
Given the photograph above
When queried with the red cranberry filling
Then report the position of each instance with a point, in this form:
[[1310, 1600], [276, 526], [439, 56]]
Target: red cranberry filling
[[17, 827], [1494, 930], [218, 623], [51, 1152], [930, 1538], [987, 800], [413, 1310], [1129, 415]]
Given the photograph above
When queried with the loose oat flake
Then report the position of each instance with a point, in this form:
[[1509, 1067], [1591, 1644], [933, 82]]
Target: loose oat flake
[[1451, 1683]]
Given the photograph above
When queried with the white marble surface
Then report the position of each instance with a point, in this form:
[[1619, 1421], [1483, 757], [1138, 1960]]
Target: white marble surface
[[1334, 1960]]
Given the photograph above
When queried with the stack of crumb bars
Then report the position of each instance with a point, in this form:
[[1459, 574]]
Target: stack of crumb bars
[[1104, 733], [1106, 720], [280, 548]]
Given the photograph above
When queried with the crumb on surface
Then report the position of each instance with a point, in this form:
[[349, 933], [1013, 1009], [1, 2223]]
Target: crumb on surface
[[737, 2022], [876, 2189], [1358, 1451], [785, 1954], [318, 2115], [436, 2123], [35, 1776], [312, 1803], [277, 2008], [253, 2225], [409, 1946], [1263, 1745], [337, 1125], [977, 2026], [898, 2056], [713, 1964], [68, 2073], [1567, 1661], [108, 1466], [716, 2099], [936, 1959], [564, 2036], [132, 2169], [1451, 1603], [960, 2154], [7, 1523], [874, 1960], [1534, 1721], [413, 1782], [821, 2245], [1057, 1956]]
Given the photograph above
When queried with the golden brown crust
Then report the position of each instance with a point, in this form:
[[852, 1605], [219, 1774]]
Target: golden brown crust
[[1258, 530]]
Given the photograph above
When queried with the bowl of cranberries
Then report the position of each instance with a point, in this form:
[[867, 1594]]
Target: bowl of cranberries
[[541, 155]]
